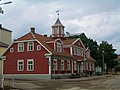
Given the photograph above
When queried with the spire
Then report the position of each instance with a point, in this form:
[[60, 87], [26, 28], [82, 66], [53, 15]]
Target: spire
[[58, 22], [58, 28]]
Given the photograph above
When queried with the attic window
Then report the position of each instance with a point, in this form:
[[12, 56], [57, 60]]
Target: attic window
[[11, 50], [38, 47]]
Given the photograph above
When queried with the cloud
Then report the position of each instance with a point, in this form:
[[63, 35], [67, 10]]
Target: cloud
[[98, 19]]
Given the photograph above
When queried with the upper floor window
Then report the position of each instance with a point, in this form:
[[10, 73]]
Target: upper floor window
[[30, 65], [82, 52], [20, 66], [38, 47], [30, 46], [20, 47], [62, 64], [59, 47], [55, 64], [11, 50]]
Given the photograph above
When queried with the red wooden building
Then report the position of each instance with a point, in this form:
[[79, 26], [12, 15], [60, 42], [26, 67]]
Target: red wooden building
[[38, 56]]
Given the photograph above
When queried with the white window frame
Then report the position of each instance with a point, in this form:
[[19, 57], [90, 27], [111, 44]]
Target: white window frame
[[59, 46], [31, 65], [68, 65], [55, 64], [12, 50], [75, 51], [20, 67], [75, 65], [20, 47], [86, 65], [38, 47], [82, 52], [30, 47], [62, 65]]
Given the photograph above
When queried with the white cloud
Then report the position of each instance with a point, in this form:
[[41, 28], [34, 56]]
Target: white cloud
[[99, 20]]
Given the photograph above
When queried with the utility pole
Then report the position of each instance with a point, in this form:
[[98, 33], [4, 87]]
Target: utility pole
[[1, 10], [103, 62]]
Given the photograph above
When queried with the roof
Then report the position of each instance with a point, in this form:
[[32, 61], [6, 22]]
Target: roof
[[58, 23], [3, 45], [68, 41], [43, 39]]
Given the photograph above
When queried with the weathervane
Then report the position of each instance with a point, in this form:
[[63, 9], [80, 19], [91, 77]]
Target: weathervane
[[1, 11], [58, 12]]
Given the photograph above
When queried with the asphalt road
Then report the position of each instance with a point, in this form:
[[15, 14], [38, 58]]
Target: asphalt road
[[109, 82]]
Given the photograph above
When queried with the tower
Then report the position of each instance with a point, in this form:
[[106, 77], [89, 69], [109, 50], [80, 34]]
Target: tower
[[58, 28]]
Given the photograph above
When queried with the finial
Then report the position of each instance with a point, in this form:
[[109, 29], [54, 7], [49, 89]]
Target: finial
[[58, 12]]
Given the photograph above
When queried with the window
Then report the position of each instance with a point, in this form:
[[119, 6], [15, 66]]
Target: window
[[59, 47], [38, 47], [20, 47], [75, 65], [30, 65], [78, 51], [68, 65], [75, 50], [82, 52], [62, 64], [20, 66], [55, 64], [30, 46], [11, 50], [86, 65]]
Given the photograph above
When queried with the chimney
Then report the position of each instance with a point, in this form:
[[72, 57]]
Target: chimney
[[0, 25], [45, 35], [32, 29]]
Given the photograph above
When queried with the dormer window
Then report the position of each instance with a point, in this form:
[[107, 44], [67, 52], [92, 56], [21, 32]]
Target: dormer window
[[59, 47]]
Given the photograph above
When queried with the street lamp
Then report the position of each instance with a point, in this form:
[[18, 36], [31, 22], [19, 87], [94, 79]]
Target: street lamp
[[1, 11], [103, 62]]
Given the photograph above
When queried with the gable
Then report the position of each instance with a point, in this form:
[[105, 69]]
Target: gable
[[78, 43]]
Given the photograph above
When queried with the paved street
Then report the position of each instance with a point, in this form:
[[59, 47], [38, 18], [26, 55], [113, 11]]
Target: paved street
[[100, 82]]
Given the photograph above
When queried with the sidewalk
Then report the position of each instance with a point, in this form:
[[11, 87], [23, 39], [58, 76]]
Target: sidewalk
[[84, 78], [31, 84]]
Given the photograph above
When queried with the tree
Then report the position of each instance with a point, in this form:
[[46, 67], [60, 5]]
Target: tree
[[96, 51], [109, 55], [91, 44]]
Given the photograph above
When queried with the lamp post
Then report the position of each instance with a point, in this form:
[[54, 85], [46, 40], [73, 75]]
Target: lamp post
[[1, 11], [103, 62]]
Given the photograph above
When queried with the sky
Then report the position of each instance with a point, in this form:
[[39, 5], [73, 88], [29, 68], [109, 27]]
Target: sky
[[98, 19]]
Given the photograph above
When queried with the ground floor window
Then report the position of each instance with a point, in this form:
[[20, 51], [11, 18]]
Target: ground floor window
[[20, 65], [54, 64], [75, 65], [68, 65], [30, 65], [62, 64]]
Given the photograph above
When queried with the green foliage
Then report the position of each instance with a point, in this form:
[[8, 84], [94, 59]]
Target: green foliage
[[109, 54], [96, 51]]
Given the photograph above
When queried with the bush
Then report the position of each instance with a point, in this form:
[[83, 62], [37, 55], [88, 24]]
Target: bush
[[98, 73], [75, 75]]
